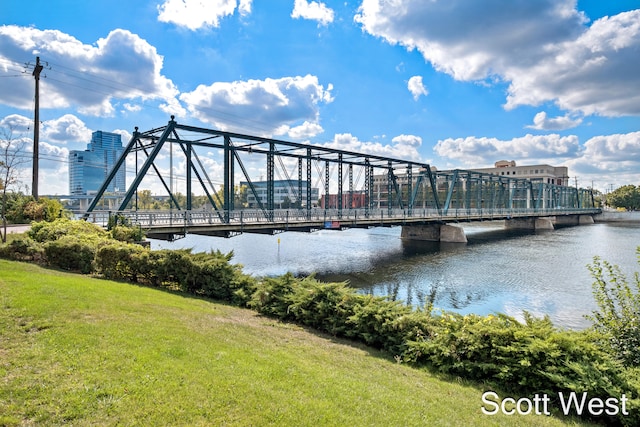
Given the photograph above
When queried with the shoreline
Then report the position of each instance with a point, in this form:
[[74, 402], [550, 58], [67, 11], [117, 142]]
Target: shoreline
[[615, 216]]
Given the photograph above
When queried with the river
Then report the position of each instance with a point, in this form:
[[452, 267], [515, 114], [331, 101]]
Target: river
[[544, 273]]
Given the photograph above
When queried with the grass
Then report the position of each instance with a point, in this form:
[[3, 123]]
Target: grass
[[82, 351]]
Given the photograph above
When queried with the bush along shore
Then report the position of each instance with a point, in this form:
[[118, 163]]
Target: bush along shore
[[592, 373]]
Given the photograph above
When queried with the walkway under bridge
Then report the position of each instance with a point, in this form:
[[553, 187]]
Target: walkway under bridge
[[311, 187]]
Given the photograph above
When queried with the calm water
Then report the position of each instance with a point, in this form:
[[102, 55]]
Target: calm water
[[497, 271]]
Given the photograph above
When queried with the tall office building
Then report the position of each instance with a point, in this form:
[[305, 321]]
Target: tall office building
[[89, 169]]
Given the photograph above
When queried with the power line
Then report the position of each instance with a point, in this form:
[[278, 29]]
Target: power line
[[118, 86], [95, 81]]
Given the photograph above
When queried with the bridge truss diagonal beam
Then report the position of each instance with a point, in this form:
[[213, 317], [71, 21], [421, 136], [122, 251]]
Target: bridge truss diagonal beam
[[389, 183]]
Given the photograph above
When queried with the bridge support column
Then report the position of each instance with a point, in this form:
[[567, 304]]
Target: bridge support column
[[544, 224], [585, 219], [529, 223], [434, 233]]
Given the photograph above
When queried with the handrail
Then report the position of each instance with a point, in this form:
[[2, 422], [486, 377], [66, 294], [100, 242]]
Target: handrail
[[171, 218]]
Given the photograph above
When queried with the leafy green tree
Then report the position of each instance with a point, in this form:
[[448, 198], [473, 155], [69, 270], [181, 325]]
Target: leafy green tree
[[145, 200], [44, 210], [627, 196], [239, 196]]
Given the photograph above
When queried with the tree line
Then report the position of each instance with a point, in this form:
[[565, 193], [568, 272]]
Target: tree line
[[626, 197]]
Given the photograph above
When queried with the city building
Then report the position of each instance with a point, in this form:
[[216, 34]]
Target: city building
[[358, 199], [88, 169], [547, 174], [285, 194]]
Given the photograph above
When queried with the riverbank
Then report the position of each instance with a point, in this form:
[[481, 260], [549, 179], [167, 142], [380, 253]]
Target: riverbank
[[78, 350], [617, 216]]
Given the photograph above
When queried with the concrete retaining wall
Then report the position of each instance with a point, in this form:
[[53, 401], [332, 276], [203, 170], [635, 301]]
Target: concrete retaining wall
[[615, 216]]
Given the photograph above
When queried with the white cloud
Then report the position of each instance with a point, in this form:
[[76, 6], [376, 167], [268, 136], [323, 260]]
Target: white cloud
[[543, 49], [62, 130], [131, 107], [403, 147], [196, 14], [173, 107], [312, 10], [609, 153], [592, 74], [267, 106], [608, 159], [416, 87], [65, 129], [305, 130], [245, 7], [88, 77], [408, 140], [542, 122], [17, 124], [529, 149]]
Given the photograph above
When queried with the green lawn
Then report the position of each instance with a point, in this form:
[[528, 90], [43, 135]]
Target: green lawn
[[83, 351]]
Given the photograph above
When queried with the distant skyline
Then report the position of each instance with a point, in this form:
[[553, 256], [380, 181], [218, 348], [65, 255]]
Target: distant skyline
[[456, 83]]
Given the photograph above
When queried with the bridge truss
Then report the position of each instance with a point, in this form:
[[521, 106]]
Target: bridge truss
[[348, 181]]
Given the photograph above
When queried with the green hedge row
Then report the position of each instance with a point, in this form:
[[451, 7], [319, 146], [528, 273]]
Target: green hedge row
[[206, 274], [519, 357]]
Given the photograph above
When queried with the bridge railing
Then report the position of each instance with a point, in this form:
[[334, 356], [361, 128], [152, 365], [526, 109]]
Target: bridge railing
[[164, 218]]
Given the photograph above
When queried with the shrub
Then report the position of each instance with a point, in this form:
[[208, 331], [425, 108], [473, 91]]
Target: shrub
[[127, 234], [121, 229], [526, 358], [324, 306], [22, 209], [48, 231], [119, 261], [71, 253], [618, 317], [339, 310], [374, 321], [44, 210], [272, 296], [213, 275], [22, 249]]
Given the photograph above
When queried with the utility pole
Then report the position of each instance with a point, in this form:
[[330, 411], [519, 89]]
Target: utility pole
[[36, 129]]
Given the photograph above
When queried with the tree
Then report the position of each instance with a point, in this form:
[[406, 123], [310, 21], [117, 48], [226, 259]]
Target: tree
[[627, 196], [145, 199], [239, 199], [11, 158], [618, 317], [44, 209]]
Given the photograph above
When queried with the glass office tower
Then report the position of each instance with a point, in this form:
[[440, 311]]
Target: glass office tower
[[89, 169]]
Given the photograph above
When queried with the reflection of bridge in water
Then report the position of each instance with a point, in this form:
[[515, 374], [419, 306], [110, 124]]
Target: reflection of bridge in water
[[406, 193]]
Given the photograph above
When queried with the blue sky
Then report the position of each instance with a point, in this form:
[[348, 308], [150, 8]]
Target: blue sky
[[455, 83]]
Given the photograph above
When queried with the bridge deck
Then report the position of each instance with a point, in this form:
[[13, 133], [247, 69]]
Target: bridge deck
[[168, 224]]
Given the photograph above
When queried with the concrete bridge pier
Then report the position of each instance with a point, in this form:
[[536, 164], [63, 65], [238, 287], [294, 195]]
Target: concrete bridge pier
[[573, 220], [434, 232], [586, 219], [530, 223]]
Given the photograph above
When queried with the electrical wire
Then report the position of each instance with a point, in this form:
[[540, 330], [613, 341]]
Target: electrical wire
[[114, 88]]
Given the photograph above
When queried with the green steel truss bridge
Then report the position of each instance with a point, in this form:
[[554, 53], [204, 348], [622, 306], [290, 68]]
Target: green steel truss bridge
[[355, 189]]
